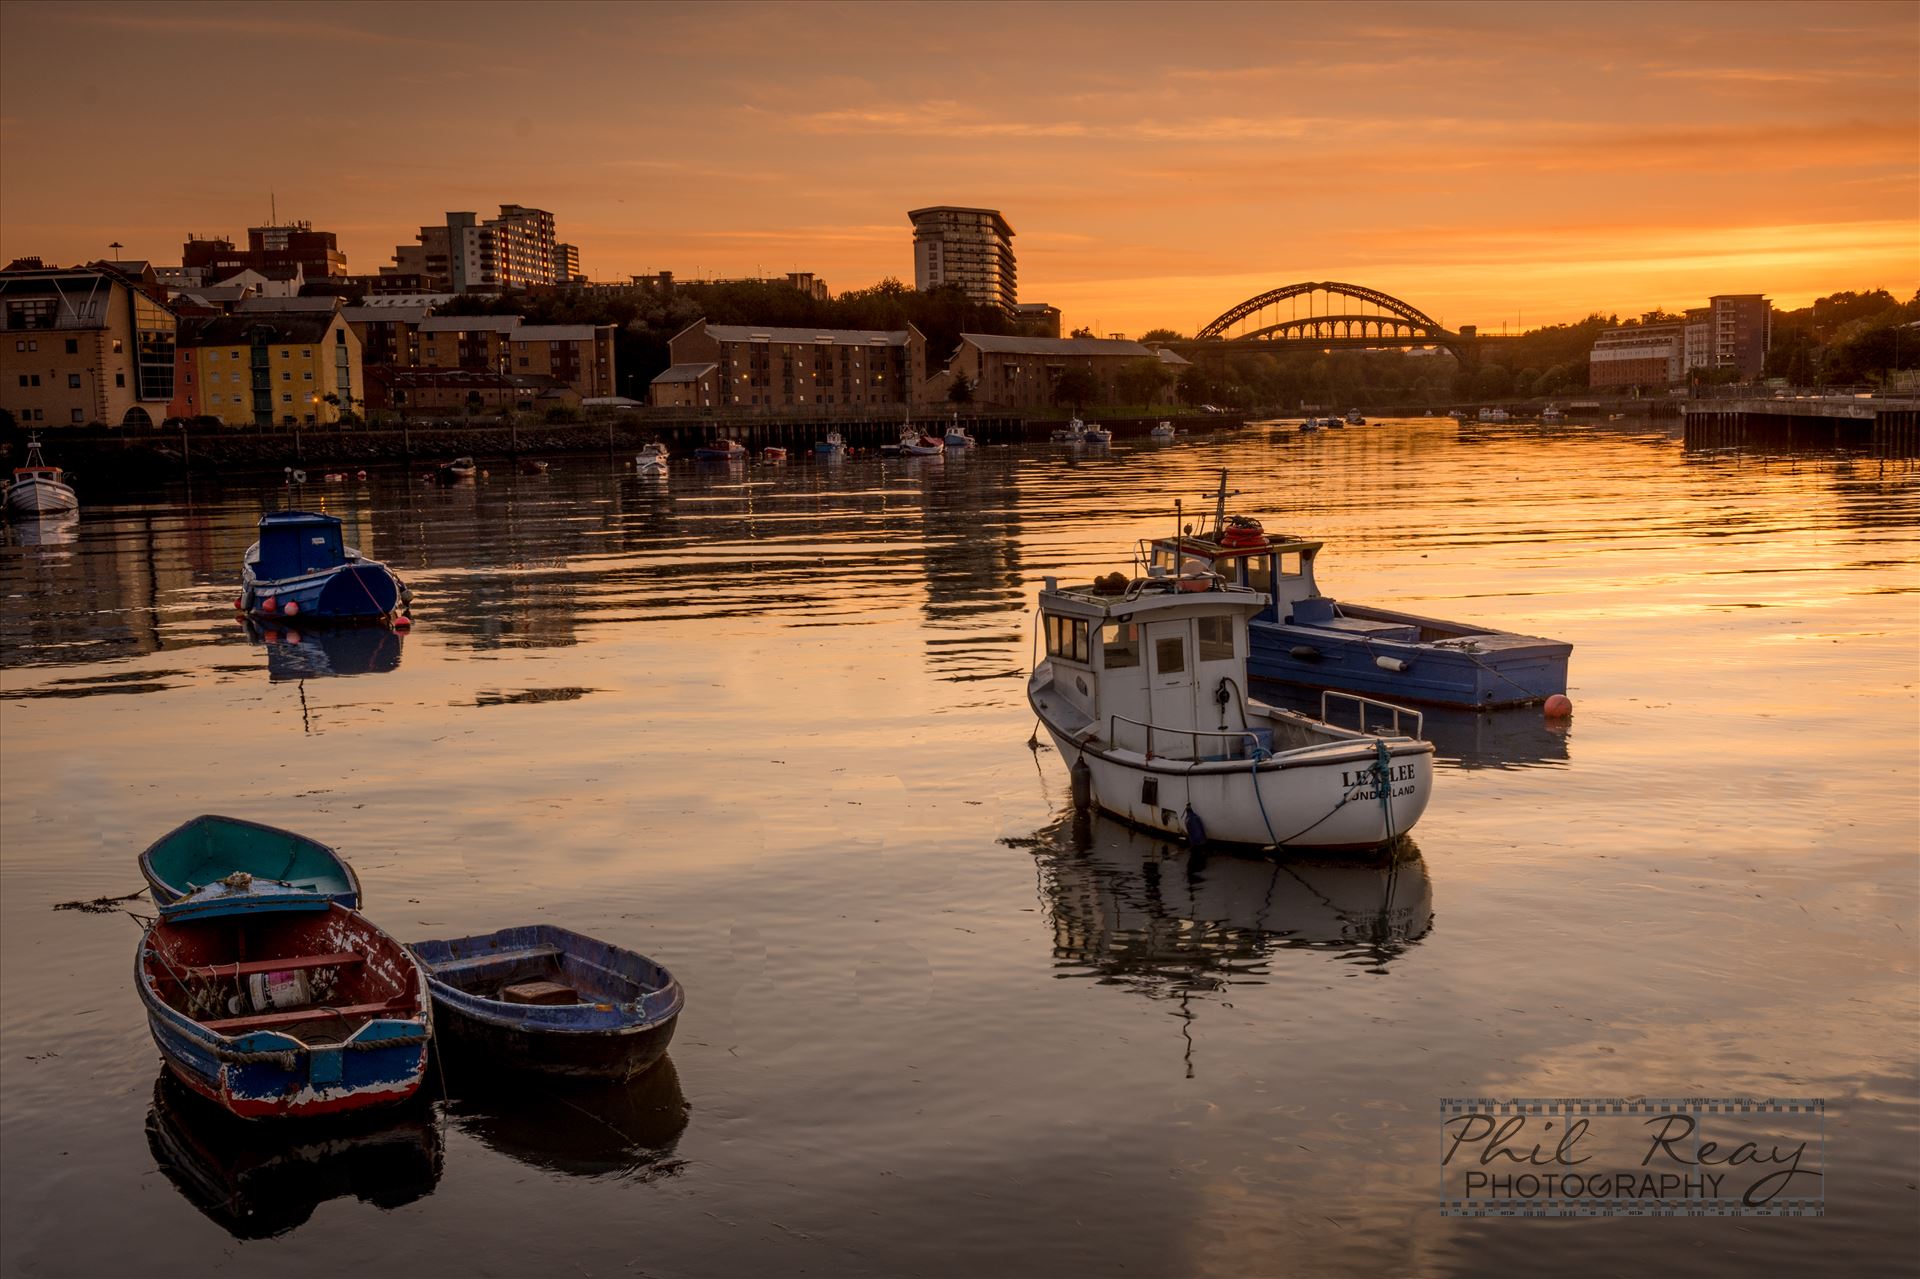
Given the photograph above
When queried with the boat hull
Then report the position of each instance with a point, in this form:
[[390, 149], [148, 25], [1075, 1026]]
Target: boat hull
[[1483, 670], [273, 1073], [622, 1025], [40, 497], [1329, 801], [362, 591]]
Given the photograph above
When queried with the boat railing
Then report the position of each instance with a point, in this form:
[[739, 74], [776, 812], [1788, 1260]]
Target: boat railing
[[1361, 705], [1153, 735]]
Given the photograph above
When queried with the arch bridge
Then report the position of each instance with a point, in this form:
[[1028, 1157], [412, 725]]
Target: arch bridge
[[1328, 314]]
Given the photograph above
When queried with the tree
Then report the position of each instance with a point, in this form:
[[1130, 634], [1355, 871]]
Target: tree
[[1081, 333], [1139, 381], [1075, 387], [1161, 335], [1194, 386], [961, 392]]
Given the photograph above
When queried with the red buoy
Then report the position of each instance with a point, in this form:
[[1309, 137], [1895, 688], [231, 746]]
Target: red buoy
[[293, 637], [267, 605], [402, 623], [1559, 706], [237, 603], [293, 608]]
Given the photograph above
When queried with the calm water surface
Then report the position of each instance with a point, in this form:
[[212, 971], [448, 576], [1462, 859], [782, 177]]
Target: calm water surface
[[768, 726]]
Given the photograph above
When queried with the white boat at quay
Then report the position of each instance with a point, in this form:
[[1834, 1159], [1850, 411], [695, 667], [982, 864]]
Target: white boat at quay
[[1143, 691], [958, 436], [652, 459], [1164, 431], [37, 488]]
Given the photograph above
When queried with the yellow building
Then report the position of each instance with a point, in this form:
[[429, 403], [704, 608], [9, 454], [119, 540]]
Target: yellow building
[[85, 345], [273, 369]]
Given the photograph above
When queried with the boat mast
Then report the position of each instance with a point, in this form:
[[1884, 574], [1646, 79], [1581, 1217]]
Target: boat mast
[[1220, 508]]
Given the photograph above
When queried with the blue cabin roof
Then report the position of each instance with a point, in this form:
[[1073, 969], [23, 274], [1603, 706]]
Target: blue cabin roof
[[297, 542]]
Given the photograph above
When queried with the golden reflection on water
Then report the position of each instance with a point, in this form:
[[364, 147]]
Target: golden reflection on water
[[768, 725]]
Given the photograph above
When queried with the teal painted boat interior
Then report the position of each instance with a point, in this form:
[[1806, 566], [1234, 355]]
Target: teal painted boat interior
[[208, 849]]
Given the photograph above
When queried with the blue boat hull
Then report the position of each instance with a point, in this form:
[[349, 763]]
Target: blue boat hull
[[622, 1025], [1479, 671], [360, 592]]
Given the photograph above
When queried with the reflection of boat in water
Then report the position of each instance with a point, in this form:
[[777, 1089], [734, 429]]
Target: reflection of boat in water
[[62, 528], [583, 1128], [257, 1182], [1131, 907], [294, 654]]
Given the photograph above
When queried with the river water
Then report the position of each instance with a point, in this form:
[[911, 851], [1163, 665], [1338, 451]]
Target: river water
[[767, 725]]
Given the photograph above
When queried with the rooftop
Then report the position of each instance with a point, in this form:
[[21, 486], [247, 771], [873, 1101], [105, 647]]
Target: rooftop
[[240, 330], [1014, 344], [686, 372], [557, 332], [469, 323], [914, 215], [848, 337]]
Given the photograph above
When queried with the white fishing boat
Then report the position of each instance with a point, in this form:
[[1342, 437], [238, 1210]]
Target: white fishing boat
[[915, 442], [1164, 431], [652, 459], [1074, 432], [37, 488], [1096, 434], [957, 436], [1551, 414], [835, 445], [1493, 415], [1356, 418], [1143, 690]]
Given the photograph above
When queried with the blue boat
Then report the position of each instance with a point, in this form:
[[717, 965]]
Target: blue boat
[[301, 568], [541, 998], [275, 1003], [722, 451], [835, 445], [1303, 637], [207, 850]]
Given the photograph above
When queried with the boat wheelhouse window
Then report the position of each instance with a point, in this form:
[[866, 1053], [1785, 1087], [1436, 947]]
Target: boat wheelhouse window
[[1216, 639], [1289, 564], [1169, 655], [1260, 573], [1120, 645], [1067, 637]]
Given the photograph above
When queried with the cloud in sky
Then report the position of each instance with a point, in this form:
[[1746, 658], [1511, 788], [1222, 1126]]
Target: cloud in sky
[[1482, 157]]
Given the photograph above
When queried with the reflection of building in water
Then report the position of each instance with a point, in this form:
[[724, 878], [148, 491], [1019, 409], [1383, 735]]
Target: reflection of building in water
[[256, 1181], [970, 533], [1131, 908]]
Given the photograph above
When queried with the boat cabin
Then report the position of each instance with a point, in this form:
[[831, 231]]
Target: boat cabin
[[1151, 666], [1278, 566], [294, 543]]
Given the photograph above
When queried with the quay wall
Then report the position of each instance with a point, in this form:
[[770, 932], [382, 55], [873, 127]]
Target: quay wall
[[1886, 428]]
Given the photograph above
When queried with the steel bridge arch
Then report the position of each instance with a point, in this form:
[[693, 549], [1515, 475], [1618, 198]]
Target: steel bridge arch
[[1411, 315]]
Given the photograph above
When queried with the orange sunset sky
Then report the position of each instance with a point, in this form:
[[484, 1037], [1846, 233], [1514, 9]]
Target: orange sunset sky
[[1489, 163]]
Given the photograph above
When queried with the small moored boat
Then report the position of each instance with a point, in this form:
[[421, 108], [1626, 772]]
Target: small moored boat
[[1354, 418], [542, 998], [209, 848], [1096, 434], [773, 453], [1164, 431], [652, 459], [835, 445], [301, 567], [533, 466], [37, 488], [917, 443], [461, 468], [957, 437], [275, 1003], [721, 450], [1074, 432]]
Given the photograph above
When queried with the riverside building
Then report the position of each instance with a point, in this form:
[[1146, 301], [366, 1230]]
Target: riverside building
[[83, 345], [792, 368]]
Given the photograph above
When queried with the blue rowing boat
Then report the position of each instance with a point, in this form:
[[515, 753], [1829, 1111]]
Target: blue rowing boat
[[282, 1004], [541, 998], [206, 850], [302, 568]]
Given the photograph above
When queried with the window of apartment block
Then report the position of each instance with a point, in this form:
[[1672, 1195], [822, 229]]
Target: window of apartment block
[[308, 375], [286, 397], [73, 381], [119, 347], [23, 379], [73, 346], [213, 355], [286, 375], [120, 379], [36, 379], [306, 353], [78, 416]]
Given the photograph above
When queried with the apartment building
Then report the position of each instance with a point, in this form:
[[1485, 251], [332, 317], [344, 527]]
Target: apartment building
[[271, 368], [466, 254], [971, 248], [1638, 355], [84, 345], [793, 367], [290, 244]]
